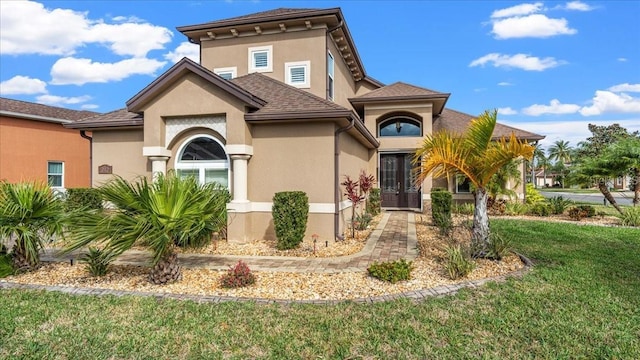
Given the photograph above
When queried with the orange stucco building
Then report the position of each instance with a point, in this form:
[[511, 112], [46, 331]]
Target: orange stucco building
[[34, 145]]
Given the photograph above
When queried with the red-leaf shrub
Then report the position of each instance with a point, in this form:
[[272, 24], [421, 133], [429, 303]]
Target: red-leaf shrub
[[237, 276]]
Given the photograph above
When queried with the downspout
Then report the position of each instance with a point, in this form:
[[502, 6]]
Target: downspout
[[336, 178], [85, 136]]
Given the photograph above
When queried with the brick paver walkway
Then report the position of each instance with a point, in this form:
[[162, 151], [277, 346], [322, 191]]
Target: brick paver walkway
[[394, 238]]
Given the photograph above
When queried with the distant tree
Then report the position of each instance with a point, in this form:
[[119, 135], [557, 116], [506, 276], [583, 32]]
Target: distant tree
[[560, 151], [623, 157], [544, 163], [601, 137]]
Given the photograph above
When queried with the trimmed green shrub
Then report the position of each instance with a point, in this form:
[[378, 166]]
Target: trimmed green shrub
[[290, 213], [97, 261], [532, 195], [540, 209], [559, 205], [374, 202], [631, 217], [458, 263], [441, 201], [83, 198], [391, 271], [238, 276]]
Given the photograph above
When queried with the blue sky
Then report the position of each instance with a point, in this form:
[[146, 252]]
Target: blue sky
[[549, 67]]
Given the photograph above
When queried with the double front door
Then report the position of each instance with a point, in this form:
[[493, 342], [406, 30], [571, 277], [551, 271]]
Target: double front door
[[397, 182]]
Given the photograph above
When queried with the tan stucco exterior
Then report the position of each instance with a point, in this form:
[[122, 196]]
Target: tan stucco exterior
[[121, 149], [26, 146]]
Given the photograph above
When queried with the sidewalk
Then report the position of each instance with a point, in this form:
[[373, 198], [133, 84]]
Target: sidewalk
[[394, 238]]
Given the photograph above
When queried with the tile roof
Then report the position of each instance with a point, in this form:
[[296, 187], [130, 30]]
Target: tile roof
[[400, 89], [45, 111], [283, 98], [457, 122], [120, 117], [265, 14]]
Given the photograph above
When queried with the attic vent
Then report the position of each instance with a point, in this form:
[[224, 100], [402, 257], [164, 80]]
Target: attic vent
[[297, 73], [261, 60]]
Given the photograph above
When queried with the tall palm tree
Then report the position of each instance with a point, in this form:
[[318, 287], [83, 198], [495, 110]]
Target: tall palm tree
[[476, 156], [30, 215], [560, 151], [161, 215], [538, 152]]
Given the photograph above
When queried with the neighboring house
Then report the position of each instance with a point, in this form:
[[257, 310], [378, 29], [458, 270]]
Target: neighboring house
[[34, 145], [281, 101]]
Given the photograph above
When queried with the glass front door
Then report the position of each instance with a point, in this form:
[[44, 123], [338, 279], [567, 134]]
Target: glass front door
[[397, 182]]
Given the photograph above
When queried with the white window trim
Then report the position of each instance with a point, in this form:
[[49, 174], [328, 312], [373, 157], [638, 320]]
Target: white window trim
[[332, 87], [227, 70], [306, 65], [61, 175], [269, 50], [200, 165]]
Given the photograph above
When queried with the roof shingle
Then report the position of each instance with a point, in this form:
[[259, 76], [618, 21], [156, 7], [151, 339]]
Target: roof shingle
[[120, 117], [400, 89], [457, 122], [53, 112]]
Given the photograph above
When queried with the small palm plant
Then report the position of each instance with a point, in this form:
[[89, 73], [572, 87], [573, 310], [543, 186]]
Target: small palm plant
[[30, 215], [159, 215]]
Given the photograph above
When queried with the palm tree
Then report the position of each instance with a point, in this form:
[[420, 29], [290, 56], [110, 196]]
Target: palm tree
[[30, 214], [500, 183], [538, 152], [560, 151], [476, 156], [161, 215]]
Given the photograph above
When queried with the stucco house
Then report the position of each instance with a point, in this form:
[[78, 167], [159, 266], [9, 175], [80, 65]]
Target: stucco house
[[280, 101], [35, 146]]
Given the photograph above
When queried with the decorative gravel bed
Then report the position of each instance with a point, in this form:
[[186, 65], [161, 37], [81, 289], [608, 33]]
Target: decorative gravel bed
[[428, 272]]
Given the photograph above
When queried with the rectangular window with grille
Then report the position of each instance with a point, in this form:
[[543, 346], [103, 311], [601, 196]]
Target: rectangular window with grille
[[297, 73], [55, 174], [261, 59]]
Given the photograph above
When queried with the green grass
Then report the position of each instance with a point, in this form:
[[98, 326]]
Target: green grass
[[582, 300]]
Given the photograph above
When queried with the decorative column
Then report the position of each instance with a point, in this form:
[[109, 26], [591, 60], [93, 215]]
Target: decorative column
[[240, 178], [158, 156], [158, 165]]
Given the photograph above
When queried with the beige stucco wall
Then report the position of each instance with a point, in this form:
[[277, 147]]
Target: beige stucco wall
[[354, 157], [344, 85], [373, 115], [193, 96], [121, 149], [289, 157], [287, 47], [261, 225]]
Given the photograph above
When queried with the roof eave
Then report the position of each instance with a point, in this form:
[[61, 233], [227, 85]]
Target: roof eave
[[106, 124], [34, 117], [136, 103], [443, 96]]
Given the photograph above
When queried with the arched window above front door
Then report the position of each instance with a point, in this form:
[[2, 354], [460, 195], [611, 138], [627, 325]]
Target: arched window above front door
[[400, 126], [203, 157]]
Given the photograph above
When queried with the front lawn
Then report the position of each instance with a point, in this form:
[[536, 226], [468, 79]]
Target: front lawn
[[582, 300]]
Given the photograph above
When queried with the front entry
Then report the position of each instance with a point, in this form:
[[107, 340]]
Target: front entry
[[396, 182]]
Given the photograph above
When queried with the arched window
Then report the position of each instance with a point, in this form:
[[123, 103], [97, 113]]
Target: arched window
[[203, 157], [400, 126]]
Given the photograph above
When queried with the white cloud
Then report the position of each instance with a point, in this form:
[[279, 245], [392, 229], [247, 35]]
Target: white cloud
[[554, 107], [621, 59], [520, 61], [625, 87], [534, 25], [518, 10], [23, 85], [81, 71], [578, 6], [89, 107], [185, 49], [610, 102], [27, 27], [507, 111], [62, 100], [504, 83]]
